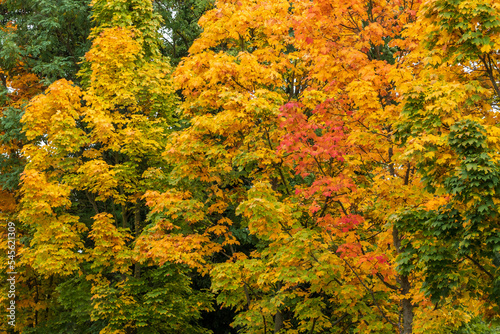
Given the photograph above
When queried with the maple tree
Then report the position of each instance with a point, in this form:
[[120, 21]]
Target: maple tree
[[37, 48], [18, 85], [330, 68], [235, 159], [22, 86], [450, 126], [100, 142]]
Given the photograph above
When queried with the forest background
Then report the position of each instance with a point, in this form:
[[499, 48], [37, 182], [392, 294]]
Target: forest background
[[250, 166]]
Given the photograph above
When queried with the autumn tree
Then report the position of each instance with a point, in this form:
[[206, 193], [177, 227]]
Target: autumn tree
[[291, 169], [449, 125], [21, 80], [102, 141], [36, 47]]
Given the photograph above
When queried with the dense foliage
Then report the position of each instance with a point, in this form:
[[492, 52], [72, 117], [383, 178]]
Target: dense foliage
[[250, 166]]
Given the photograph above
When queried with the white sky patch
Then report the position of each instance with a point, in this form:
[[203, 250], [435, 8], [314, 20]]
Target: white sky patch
[[167, 34]]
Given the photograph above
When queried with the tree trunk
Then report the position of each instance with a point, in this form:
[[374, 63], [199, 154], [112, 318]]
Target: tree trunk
[[279, 317], [137, 227], [278, 322], [407, 306]]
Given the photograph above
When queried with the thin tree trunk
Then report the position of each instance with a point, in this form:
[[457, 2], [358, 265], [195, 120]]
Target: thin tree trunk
[[278, 318], [407, 306], [278, 322], [137, 227]]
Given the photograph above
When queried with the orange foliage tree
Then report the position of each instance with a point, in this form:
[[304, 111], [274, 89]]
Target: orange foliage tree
[[290, 167], [94, 151]]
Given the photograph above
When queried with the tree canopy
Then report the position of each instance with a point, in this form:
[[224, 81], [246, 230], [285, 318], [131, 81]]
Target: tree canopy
[[250, 166]]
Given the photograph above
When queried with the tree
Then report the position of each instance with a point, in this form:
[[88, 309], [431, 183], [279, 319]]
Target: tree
[[49, 39], [292, 111], [103, 141], [450, 126]]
